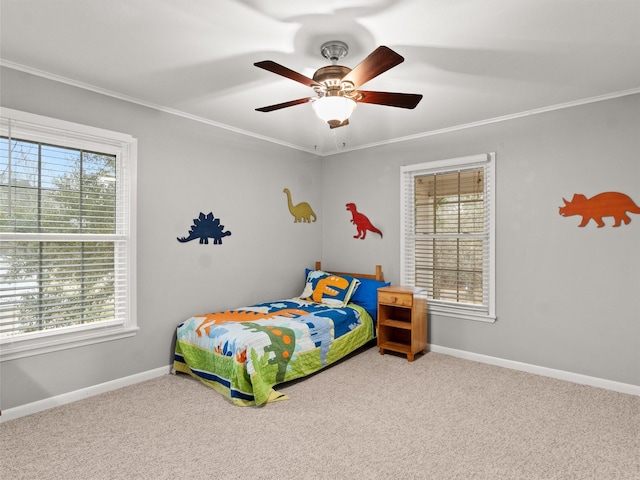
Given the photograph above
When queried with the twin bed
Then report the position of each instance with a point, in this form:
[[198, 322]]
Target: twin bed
[[244, 353]]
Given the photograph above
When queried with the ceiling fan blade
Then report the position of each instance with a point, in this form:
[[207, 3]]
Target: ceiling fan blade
[[286, 72], [278, 106], [378, 61], [402, 100]]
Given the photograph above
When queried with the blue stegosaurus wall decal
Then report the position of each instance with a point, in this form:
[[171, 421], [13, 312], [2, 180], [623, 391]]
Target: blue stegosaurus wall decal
[[205, 227]]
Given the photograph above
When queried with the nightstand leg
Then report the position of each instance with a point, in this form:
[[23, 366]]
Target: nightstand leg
[[382, 351], [410, 357]]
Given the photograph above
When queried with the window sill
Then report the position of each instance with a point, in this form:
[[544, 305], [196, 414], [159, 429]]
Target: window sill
[[12, 350], [460, 313]]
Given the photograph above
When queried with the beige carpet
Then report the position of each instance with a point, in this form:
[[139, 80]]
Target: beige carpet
[[371, 417]]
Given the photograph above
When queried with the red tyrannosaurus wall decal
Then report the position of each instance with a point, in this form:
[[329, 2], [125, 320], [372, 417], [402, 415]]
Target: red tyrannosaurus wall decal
[[607, 204], [361, 222]]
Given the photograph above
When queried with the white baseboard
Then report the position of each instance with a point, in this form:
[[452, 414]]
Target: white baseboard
[[65, 398], [40, 405], [538, 370]]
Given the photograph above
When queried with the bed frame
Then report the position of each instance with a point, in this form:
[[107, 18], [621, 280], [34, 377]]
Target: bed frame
[[377, 276]]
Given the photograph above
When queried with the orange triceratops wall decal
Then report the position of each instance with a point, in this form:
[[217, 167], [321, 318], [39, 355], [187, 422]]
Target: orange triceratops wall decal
[[607, 204]]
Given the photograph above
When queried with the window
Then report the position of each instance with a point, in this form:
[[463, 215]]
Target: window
[[67, 235], [448, 234]]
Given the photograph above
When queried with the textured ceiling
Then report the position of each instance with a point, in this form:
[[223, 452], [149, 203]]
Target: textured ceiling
[[472, 61]]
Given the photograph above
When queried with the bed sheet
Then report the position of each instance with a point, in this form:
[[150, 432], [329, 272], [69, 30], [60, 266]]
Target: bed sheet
[[243, 353]]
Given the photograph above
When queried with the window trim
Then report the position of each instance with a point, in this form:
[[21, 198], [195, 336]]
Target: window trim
[[43, 129], [450, 309]]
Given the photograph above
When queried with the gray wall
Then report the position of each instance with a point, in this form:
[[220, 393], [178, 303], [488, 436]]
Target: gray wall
[[184, 167], [568, 298]]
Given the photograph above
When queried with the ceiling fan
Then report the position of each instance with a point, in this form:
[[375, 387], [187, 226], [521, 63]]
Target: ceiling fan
[[337, 87]]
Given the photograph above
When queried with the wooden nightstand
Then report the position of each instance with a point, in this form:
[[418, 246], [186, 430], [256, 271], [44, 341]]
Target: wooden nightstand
[[402, 320]]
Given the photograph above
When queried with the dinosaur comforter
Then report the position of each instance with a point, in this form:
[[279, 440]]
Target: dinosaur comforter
[[244, 353]]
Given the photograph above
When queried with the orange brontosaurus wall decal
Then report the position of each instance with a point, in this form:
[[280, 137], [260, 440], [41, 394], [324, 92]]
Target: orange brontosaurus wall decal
[[361, 222], [607, 204]]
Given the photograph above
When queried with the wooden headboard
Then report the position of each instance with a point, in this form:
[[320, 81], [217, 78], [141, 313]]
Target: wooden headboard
[[377, 276]]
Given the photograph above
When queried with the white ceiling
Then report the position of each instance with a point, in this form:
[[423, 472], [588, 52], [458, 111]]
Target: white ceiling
[[472, 60]]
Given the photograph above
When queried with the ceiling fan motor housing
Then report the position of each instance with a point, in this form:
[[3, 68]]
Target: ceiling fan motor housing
[[331, 77]]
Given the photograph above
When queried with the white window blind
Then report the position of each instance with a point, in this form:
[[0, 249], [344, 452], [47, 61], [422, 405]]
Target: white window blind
[[67, 234], [448, 234]]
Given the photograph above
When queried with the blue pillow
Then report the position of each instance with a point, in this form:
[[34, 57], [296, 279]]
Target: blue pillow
[[367, 295], [329, 289]]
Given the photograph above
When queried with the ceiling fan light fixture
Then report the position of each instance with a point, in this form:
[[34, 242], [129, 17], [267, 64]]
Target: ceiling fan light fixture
[[334, 109]]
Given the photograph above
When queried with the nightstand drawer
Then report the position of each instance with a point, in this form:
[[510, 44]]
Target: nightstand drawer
[[400, 299]]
